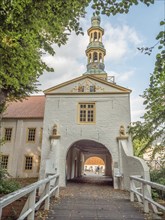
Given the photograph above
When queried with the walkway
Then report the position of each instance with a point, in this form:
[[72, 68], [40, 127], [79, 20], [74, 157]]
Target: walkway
[[93, 198]]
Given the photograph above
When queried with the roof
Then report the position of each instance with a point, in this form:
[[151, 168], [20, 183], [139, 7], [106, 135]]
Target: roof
[[89, 76], [31, 107]]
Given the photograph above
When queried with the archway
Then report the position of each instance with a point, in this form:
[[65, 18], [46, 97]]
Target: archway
[[80, 151], [94, 166]]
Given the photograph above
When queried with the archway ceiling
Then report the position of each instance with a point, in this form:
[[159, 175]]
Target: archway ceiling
[[91, 147]]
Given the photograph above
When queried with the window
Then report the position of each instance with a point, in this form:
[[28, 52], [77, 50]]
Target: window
[[81, 89], [8, 133], [86, 112], [92, 88], [4, 161], [28, 163], [31, 134]]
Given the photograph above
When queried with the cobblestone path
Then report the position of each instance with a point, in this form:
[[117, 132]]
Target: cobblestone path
[[93, 198]]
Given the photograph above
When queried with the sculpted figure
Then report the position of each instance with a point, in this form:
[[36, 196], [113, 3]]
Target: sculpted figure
[[122, 130], [54, 130]]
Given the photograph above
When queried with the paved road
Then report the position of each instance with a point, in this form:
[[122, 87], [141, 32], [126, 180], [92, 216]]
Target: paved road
[[93, 198]]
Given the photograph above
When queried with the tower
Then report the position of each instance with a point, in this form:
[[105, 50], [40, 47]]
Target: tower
[[95, 51]]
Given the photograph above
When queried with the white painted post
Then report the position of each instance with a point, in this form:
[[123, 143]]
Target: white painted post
[[145, 202], [57, 184], [131, 192], [0, 212], [31, 199], [47, 200]]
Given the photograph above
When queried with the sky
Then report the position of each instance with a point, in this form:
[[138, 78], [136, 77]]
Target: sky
[[122, 35]]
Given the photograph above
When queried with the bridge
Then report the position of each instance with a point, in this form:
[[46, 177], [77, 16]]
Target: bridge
[[86, 198]]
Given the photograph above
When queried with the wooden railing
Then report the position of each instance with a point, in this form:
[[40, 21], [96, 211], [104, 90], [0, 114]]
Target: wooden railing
[[50, 186], [142, 193]]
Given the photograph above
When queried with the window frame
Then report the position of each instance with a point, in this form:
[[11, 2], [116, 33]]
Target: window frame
[[87, 109], [6, 164], [5, 129], [25, 163], [27, 138]]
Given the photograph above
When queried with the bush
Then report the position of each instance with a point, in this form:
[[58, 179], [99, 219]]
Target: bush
[[8, 186], [157, 176]]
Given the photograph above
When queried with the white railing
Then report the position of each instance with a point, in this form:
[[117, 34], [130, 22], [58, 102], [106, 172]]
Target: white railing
[[143, 194], [50, 186]]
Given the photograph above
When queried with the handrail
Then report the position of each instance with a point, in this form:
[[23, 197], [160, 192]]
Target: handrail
[[146, 198], [51, 187]]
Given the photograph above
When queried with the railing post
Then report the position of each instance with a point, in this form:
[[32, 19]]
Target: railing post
[[0, 212], [47, 200], [57, 184], [145, 202], [32, 197], [131, 192]]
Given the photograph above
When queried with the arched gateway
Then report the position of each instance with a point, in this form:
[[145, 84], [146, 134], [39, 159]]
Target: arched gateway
[[82, 150], [89, 115]]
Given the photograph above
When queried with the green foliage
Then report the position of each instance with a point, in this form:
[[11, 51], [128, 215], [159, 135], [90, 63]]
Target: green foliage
[[113, 7], [29, 28], [139, 146], [153, 126], [8, 186], [158, 176]]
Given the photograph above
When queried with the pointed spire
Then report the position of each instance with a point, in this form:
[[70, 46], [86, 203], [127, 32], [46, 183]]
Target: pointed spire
[[95, 51]]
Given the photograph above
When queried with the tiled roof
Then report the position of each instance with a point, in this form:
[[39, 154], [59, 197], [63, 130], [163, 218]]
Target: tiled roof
[[31, 107]]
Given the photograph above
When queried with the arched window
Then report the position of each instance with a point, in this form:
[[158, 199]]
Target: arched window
[[99, 36], [100, 57], [95, 36], [90, 58], [91, 37], [95, 57]]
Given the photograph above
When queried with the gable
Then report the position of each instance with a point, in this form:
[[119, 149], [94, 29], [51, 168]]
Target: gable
[[86, 84]]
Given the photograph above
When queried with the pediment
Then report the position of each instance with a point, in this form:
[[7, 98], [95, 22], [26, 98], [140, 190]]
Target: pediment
[[86, 84]]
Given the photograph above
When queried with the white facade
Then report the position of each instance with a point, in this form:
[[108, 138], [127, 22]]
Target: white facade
[[112, 109], [18, 148]]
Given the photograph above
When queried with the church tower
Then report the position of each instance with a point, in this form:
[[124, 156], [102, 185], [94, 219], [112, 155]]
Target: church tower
[[95, 51]]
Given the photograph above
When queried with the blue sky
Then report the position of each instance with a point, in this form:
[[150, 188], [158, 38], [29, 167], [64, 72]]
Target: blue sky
[[123, 34]]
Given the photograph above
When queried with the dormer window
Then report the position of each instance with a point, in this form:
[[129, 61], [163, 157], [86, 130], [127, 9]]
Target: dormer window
[[81, 89], [92, 88]]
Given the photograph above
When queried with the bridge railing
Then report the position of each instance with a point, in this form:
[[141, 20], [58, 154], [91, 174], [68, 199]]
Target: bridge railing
[[143, 194], [50, 186]]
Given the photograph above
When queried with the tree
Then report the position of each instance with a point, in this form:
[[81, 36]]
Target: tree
[[29, 28], [152, 128]]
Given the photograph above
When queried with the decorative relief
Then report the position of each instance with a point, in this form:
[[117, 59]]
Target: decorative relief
[[54, 133], [87, 86]]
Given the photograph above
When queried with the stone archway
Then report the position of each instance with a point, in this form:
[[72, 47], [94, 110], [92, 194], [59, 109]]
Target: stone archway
[[80, 151]]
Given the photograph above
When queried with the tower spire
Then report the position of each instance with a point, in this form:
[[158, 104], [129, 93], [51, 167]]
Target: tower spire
[[95, 51]]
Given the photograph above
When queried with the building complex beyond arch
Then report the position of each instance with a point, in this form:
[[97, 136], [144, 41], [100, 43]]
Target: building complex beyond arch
[[80, 151]]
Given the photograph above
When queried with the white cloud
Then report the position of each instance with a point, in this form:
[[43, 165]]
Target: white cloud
[[120, 41], [122, 76], [137, 108]]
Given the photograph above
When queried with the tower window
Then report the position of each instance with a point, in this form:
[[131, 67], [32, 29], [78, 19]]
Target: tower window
[[8, 134], [99, 37], [95, 36], [86, 113], [95, 57], [100, 57]]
